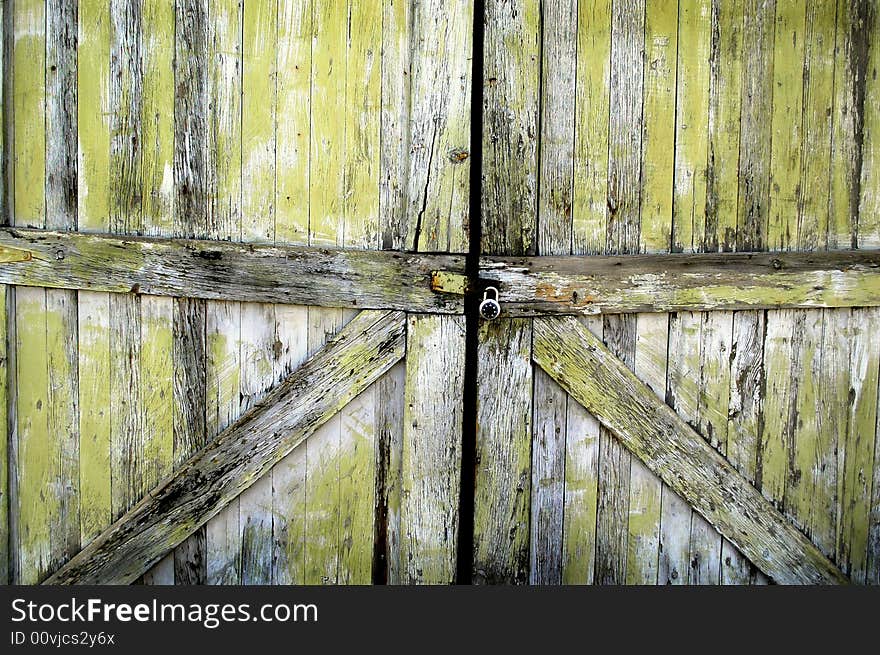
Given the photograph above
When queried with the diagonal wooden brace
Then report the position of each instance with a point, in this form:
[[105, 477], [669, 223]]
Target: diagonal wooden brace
[[206, 483], [668, 446]]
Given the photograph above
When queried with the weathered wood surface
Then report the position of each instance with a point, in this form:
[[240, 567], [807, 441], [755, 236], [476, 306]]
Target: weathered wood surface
[[243, 453], [325, 277], [680, 456], [431, 459], [684, 282]]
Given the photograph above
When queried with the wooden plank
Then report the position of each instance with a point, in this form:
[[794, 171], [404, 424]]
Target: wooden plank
[[223, 319], [867, 61], [691, 127], [431, 462], [581, 487], [725, 104], [190, 117], [158, 144], [214, 270], [511, 81], [856, 451], [679, 282], [437, 162], [622, 236], [201, 487], [32, 511], [592, 110], [94, 117], [292, 179], [504, 431], [664, 441], [656, 216], [61, 306], [556, 188], [755, 130], [361, 167], [257, 347]]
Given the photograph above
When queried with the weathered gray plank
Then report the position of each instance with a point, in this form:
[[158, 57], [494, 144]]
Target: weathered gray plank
[[190, 221], [684, 282], [239, 456], [61, 305], [431, 462], [622, 236], [231, 271], [504, 432], [680, 456]]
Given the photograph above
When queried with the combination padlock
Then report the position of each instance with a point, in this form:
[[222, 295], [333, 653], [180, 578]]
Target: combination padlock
[[490, 308]]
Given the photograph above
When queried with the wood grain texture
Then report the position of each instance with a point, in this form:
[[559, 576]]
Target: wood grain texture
[[431, 459], [203, 485], [663, 440], [511, 87], [687, 282], [212, 270], [503, 457], [190, 113]]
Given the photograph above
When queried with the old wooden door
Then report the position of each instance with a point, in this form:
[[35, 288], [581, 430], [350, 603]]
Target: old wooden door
[[653, 127], [187, 185]]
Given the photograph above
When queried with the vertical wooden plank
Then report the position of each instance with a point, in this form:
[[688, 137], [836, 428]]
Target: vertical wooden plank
[[656, 212], [753, 170], [745, 420], [868, 50], [330, 25], [504, 377], [818, 100], [622, 236], [856, 452], [847, 118], [292, 137], [581, 488], [94, 131], [360, 230], [322, 474], [725, 81], [397, 23], [755, 129], [646, 489], [787, 124], [61, 306], [431, 464], [190, 116], [157, 139], [691, 126], [223, 319], [589, 221], [34, 470], [259, 69], [504, 430], [592, 111], [511, 87], [289, 475], [549, 401], [682, 394], [438, 159], [746, 348]]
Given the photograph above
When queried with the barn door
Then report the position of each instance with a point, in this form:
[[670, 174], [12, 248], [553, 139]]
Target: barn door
[[686, 127]]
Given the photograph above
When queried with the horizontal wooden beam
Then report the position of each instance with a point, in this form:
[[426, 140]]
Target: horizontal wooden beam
[[532, 286], [222, 270], [365, 349], [685, 461]]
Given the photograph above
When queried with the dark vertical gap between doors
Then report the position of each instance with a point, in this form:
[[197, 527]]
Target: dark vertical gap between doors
[[472, 299]]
